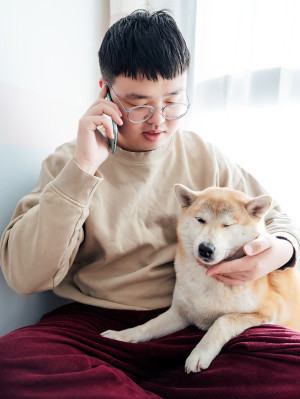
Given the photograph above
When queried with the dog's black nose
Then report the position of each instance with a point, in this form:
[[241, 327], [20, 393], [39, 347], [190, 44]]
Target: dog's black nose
[[206, 250]]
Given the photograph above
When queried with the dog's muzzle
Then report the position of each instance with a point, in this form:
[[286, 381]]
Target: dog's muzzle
[[206, 251]]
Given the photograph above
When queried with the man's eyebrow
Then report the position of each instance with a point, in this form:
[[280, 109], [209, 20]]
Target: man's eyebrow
[[136, 96]]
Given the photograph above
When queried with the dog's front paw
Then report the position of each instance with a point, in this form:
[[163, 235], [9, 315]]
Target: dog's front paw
[[112, 334], [197, 361], [129, 335]]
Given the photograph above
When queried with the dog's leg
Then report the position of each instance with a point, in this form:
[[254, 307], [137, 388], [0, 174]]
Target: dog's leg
[[223, 329], [166, 323]]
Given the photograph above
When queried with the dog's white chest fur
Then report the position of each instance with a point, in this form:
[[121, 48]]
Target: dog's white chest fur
[[203, 299]]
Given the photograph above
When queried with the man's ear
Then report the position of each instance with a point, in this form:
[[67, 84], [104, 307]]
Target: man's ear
[[259, 206], [184, 195]]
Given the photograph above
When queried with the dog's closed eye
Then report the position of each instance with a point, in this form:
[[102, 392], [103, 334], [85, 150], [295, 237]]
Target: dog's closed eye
[[200, 220]]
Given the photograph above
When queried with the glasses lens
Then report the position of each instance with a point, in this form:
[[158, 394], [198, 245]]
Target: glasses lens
[[140, 114], [175, 111], [143, 113]]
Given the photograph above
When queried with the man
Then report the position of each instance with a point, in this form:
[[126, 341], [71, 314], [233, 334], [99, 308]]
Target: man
[[100, 229]]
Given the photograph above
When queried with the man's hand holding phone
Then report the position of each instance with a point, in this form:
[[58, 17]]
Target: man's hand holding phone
[[92, 147]]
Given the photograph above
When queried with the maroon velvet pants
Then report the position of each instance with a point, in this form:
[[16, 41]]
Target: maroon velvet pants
[[64, 357]]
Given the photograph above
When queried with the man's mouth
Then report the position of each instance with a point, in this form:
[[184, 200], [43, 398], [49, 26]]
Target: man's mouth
[[152, 135]]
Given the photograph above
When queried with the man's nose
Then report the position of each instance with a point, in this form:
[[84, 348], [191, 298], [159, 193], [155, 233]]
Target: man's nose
[[156, 118]]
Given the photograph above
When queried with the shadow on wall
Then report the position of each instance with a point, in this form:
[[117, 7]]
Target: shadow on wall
[[20, 168]]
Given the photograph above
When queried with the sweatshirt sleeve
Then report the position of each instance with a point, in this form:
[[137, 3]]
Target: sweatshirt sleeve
[[41, 241], [277, 223]]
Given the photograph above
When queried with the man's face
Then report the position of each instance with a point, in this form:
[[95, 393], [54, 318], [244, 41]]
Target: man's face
[[156, 131]]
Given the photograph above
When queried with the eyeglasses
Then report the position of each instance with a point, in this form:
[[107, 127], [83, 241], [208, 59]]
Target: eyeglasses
[[141, 113]]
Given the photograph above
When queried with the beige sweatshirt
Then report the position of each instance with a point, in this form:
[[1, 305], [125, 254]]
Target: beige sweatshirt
[[109, 240]]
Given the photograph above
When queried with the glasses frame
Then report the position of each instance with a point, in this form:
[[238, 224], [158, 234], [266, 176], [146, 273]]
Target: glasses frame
[[150, 107]]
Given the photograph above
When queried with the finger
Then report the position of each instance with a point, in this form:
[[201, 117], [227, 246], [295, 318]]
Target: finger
[[91, 123], [228, 280], [107, 108], [224, 267], [102, 101], [108, 127], [103, 106], [100, 98], [257, 246]]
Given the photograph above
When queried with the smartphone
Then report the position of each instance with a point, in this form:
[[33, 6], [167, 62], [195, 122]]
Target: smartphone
[[112, 142]]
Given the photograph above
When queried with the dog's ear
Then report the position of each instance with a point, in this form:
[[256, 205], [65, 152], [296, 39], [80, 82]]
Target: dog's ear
[[184, 195], [259, 206]]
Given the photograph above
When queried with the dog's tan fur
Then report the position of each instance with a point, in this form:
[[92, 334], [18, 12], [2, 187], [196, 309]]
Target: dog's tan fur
[[221, 221]]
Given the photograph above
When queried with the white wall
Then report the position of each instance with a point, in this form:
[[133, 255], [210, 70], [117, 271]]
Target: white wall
[[265, 142], [49, 68]]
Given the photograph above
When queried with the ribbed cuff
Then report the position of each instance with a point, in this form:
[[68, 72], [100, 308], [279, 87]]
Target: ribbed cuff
[[76, 184], [292, 262]]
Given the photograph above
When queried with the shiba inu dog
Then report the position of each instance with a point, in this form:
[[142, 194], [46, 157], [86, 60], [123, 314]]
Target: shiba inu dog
[[214, 226]]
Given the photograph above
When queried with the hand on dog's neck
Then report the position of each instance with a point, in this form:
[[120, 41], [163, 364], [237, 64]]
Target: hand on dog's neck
[[237, 255]]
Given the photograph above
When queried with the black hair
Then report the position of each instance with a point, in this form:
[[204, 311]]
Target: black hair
[[144, 44]]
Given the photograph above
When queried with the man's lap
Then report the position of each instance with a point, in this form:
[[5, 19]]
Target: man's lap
[[64, 356]]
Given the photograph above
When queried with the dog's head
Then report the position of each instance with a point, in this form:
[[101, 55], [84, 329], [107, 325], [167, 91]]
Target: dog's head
[[217, 222]]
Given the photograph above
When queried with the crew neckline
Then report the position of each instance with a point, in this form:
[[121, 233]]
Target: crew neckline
[[146, 156]]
